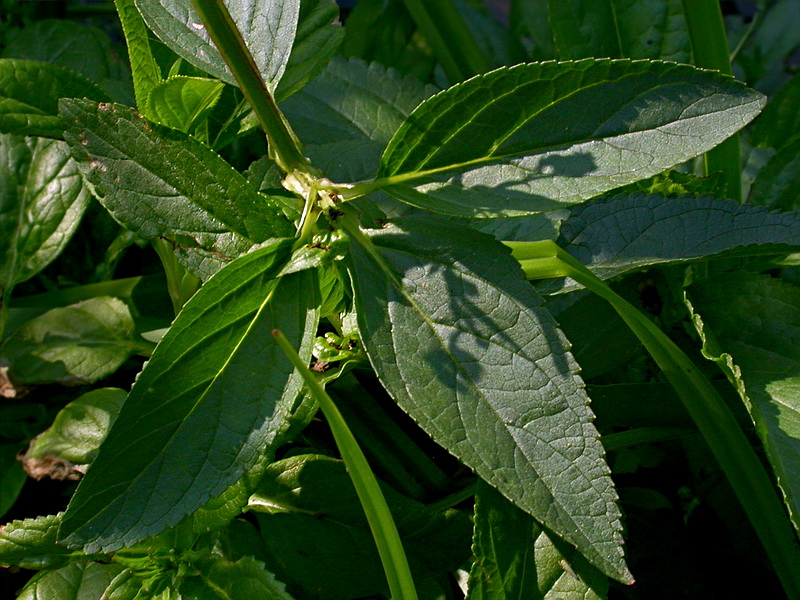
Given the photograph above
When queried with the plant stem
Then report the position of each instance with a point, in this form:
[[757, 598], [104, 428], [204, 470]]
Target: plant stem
[[716, 423], [451, 40], [384, 530], [283, 144], [710, 49]]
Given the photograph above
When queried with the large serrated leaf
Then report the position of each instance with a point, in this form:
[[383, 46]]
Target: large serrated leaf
[[73, 582], [349, 113], [31, 544], [513, 557], [619, 29], [213, 397], [535, 137], [615, 235], [267, 26], [160, 182], [29, 93], [42, 200], [750, 326], [464, 345], [245, 579]]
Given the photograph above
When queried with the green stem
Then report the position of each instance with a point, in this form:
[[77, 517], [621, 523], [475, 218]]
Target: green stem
[[454, 45], [284, 146], [710, 48], [716, 423], [145, 71], [384, 530]]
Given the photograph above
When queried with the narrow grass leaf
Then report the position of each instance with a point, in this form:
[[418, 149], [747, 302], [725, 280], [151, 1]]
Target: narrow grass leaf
[[214, 396], [535, 137], [464, 345]]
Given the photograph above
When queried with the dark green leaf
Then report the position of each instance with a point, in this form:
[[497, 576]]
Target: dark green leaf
[[29, 93], [498, 44], [317, 536], [515, 558], [750, 325], [778, 183], [161, 182], [464, 345], [12, 477], [74, 582], [180, 102], [653, 29], [267, 26], [79, 428], [42, 200], [315, 43], [535, 137], [214, 396], [75, 345], [615, 235], [221, 579], [31, 544], [780, 121], [349, 113]]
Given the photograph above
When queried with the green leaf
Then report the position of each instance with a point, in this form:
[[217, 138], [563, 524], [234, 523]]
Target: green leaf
[[79, 428], [534, 137], [515, 558], [75, 345], [349, 113], [74, 582], [780, 121], [464, 345], [12, 476], [214, 396], [315, 43], [750, 325], [653, 29], [267, 26], [317, 536], [29, 93], [778, 183], [221, 579], [42, 200], [31, 544], [180, 102], [616, 235], [159, 182]]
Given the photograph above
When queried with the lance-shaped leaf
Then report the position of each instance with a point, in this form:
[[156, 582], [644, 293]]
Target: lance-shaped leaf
[[267, 26], [29, 93], [160, 182], [534, 137], [215, 394], [750, 325], [619, 29], [612, 236], [464, 345], [42, 200], [513, 557]]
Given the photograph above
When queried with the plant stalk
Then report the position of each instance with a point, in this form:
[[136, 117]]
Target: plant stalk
[[284, 145], [384, 530]]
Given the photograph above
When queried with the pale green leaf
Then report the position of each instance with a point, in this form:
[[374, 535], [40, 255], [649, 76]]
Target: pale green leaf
[[29, 93], [778, 183], [79, 428], [615, 235], [31, 544], [267, 26], [215, 395], [75, 345], [349, 113], [42, 200], [81, 581], [653, 29], [535, 137], [180, 102], [513, 558], [159, 182], [464, 345], [750, 325]]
